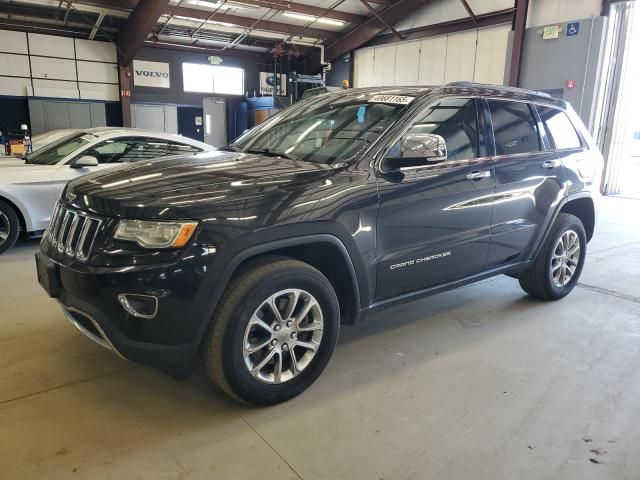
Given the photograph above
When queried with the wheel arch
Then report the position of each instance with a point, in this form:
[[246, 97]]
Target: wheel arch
[[581, 205], [350, 286], [22, 218], [584, 209]]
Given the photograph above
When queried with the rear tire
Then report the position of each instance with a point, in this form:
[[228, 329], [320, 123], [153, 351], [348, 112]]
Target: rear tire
[[285, 312], [556, 270], [9, 226]]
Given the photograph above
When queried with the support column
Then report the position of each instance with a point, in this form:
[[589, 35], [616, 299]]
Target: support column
[[125, 94], [519, 28]]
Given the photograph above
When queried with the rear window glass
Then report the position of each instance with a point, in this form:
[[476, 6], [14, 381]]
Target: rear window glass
[[515, 128], [560, 130]]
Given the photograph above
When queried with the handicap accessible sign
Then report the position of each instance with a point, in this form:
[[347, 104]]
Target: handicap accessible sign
[[573, 29]]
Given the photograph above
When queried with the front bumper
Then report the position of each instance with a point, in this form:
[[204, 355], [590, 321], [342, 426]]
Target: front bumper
[[169, 341]]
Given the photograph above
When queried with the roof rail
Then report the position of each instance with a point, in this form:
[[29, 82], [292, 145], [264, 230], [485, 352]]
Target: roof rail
[[510, 89]]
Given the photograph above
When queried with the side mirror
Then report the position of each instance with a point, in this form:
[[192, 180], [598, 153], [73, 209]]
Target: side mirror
[[417, 149], [86, 161]]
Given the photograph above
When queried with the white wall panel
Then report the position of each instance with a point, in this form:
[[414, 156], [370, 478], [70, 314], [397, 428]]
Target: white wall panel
[[461, 56], [13, 42], [363, 68], [384, 65], [440, 11], [53, 68], [407, 63], [14, 65], [491, 54], [96, 51], [15, 86], [97, 72], [55, 89], [545, 12], [99, 91], [433, 56], [50, 46]]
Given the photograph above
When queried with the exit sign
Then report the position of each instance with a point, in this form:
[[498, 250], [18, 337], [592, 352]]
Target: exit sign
[[550, 33]]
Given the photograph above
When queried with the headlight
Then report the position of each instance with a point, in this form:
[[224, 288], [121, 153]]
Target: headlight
[[149, 234]]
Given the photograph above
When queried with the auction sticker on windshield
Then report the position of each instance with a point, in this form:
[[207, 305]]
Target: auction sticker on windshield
[[393, 99]]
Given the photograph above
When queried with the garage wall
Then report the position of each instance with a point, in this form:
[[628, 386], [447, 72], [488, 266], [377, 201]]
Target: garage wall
[[474, 55], [53, 114], [545, 12], [440, 11], [550, 64], [36, 65]]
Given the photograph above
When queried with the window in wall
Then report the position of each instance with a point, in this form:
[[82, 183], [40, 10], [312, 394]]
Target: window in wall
[[560, 130], [454, 120], [203, 78], [515, 128]]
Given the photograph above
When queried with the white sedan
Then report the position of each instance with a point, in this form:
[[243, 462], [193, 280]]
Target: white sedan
[[29, 188]]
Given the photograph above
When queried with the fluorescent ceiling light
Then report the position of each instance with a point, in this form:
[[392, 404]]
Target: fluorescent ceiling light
[[326, 21]]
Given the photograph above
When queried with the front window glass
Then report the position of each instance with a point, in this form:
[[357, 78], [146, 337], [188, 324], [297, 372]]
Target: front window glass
[[454, 120], [56, 151], [322, 131]]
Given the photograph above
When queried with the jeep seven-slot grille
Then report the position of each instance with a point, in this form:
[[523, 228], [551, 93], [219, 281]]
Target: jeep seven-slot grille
[[73, 232]]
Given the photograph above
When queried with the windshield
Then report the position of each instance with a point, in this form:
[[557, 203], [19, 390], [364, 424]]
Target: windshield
[[56, 151], [327, 130]]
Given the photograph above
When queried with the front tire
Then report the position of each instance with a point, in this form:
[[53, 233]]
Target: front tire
[[9, 227], [273, 333], [556, 270]]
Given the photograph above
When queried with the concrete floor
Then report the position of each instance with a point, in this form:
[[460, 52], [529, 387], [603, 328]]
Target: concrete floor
[[478, 383]]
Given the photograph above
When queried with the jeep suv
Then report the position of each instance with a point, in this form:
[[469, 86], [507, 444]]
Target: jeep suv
[[253, 256]]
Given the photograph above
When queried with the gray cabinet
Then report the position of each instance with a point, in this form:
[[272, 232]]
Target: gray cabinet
[[49, 115], [159, 118]]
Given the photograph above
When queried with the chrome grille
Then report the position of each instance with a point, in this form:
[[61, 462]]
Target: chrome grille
[[73, 233]]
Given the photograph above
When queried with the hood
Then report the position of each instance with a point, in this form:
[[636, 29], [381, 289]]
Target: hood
[[174, 187], [11, 162]]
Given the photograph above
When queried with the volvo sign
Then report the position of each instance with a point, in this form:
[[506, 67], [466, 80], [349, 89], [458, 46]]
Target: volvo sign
[[151, 74]]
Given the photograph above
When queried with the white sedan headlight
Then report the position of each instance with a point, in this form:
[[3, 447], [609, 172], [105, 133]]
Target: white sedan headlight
[[149, 234]]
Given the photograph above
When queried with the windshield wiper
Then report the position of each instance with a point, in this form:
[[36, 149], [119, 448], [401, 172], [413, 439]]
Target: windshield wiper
[[272, 153]]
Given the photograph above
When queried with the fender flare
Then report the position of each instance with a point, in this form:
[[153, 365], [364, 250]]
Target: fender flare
[[21, 210], [552, 218], [232, 266]]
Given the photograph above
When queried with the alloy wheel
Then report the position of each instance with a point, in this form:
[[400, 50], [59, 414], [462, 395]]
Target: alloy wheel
[[565, 258], [283, 336]]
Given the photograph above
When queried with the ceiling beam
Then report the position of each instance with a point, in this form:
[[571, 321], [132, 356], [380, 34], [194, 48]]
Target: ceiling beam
[[254, 23], [490, 19], [235, 52], [140, 23], [366, 31], [283, 6], [377, 15], [466, 6], [303, 9]]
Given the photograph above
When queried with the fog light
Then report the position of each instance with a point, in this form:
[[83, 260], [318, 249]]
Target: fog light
[[141, 306]]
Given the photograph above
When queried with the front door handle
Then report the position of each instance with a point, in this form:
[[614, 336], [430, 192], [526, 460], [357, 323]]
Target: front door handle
[[478, 175], [550, 164]]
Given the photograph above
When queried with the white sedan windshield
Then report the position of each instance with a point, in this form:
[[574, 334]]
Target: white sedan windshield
[[56, 151]]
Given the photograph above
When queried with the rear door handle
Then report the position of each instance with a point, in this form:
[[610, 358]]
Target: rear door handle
[[549, 164], [478, 175]]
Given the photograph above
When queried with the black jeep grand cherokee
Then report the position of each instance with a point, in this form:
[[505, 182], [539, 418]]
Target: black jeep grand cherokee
[[253, 256]]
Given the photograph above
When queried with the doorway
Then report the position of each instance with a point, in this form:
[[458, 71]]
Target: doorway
[[215, 121], [618, 125]]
